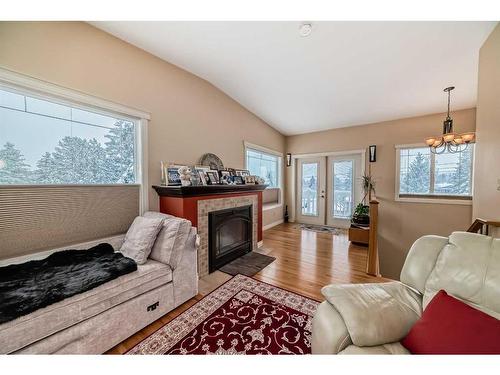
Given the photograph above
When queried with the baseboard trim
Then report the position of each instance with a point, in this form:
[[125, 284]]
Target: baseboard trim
[[268, 226]]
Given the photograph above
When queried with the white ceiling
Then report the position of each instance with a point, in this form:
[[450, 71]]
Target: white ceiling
[[343, 74]]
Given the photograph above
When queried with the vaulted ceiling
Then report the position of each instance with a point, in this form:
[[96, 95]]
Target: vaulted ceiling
[[342, 74]]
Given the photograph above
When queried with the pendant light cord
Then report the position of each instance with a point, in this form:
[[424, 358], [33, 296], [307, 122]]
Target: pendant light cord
[[448, 115]]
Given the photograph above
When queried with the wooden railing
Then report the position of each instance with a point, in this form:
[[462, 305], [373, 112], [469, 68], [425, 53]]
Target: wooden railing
[[482, 226], [372, 263]]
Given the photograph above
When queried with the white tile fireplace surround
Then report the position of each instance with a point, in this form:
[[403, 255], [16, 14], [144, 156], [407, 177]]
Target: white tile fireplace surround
[[206, 206]]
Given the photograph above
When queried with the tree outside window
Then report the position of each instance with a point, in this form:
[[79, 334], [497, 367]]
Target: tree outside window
[[43, 142], [424, 173]]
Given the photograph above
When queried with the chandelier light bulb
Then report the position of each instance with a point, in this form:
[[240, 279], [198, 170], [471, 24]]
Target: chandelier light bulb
[[449, 137], [468, 137], [430, 141]]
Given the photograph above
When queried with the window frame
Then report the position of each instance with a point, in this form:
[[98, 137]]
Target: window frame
[[429, 198], [25, 85], [253, 147]]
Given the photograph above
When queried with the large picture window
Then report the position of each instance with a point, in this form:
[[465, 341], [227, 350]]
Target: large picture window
[[265, 165], [424, 174], [43, 141]]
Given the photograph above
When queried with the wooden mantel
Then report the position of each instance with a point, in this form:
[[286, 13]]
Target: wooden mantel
[[182, 201], [190, 191]]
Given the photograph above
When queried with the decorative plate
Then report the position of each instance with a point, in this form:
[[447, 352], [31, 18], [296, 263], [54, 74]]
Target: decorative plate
[[212, 161]]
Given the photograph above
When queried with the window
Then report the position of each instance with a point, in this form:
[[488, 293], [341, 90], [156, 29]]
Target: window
[[43, 141], [265, 165], [424, 174]]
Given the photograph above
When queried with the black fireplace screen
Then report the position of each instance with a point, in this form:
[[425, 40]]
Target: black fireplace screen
[[230, 235]]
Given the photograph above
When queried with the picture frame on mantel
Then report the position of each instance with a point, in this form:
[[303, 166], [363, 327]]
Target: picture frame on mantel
[[238, 180], [213, 177], [203, 176], [242, 172], [172, 176]]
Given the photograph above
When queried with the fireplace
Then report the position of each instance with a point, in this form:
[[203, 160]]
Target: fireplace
[[194, 203], [229, 235]]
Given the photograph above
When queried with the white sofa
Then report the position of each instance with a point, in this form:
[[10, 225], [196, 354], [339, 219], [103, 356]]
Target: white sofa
[[94, 321], [373, 318]]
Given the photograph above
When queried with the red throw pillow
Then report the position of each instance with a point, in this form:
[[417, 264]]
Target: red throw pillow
[[449, 326]]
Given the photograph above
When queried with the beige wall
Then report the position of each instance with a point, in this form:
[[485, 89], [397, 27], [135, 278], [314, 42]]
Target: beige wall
[[487, 167], [189, 116], [400, 223]]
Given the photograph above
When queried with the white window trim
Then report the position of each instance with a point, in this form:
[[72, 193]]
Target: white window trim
[[36, 87], [261, 148], [437, 200], [252, 146], [362, 152]]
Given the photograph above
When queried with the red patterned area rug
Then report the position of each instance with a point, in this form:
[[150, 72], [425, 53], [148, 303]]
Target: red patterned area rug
[[243, 316]]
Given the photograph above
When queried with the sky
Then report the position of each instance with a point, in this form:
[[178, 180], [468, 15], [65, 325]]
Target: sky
[[36, 126]]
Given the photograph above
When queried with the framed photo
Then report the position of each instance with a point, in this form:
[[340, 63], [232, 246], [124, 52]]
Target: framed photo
[[249, 179], [238, 180], [224, 174], [203, 177], [213, 177], [203, 168], [172, 177], [195, 177], [242, 172], [232, 171]]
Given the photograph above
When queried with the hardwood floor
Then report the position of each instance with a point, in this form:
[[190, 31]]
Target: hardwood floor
[[305, 262]]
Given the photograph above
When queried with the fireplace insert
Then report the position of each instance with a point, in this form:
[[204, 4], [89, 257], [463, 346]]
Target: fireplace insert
[[229, 235]]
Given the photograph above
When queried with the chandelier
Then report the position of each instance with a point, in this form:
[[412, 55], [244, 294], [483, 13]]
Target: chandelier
[[449, 141]]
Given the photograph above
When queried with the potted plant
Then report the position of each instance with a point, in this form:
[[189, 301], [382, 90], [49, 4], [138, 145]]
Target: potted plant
[[361, 213]]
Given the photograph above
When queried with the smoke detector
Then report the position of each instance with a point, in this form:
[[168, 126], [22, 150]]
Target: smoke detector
[[305, 29]]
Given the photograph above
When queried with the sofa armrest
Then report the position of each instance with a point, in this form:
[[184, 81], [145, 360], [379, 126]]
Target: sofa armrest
[[185, 275], [329, 332], [375, 314]]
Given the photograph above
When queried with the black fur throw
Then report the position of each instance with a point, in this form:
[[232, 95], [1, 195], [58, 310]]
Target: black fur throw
[[29, 286]]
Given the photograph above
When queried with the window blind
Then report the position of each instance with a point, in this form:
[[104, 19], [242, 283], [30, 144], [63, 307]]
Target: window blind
[[37, 218]]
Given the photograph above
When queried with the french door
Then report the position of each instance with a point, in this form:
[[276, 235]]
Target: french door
[[311, 179], [328, 189], [344, 188]]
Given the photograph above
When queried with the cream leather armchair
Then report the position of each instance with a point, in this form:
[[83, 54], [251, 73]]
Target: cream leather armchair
[[373, 318]]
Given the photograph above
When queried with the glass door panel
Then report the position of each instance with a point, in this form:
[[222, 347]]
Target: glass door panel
[[309, 189], [310, 186], [342, 189]]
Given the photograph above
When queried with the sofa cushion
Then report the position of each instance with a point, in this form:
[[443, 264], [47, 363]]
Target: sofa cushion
[[171, 240], [468, 267], [156, 214], [421, 260], [449, 326], [393, 306], [44, 322], [140, 238]]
